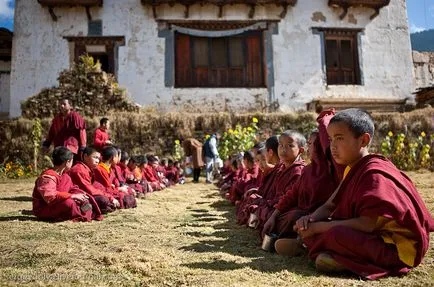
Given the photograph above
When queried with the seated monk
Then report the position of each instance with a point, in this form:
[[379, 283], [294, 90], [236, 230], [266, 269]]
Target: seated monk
[[232, 176], [56, 198], [268, 160], [317, 182], [117, 177], [149, 174], [291, 147], [172, 173], [137, 184], [248, 178], [82, 175], [375, 224], [102, 176]]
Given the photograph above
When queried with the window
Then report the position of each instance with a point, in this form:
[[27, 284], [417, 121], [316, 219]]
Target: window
[[94, 28], [235, 61], [341, 52]]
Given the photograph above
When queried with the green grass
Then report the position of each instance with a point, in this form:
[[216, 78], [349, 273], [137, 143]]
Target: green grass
[[185, 236]]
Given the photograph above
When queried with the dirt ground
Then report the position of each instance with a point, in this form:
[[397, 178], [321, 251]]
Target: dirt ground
[[184, 236]]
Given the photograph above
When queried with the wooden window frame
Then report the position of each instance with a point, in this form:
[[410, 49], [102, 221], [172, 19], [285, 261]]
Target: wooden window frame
[[248, 78], [340, 35]]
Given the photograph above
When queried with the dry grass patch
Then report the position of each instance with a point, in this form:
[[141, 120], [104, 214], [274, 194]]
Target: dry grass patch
[[185, 236]]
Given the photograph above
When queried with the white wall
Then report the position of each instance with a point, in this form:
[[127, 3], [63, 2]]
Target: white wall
[[40, 53]]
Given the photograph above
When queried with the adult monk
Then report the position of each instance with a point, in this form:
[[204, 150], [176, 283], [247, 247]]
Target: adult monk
[[101, 137], [56, 198], [82, 174], [67, 129], [193, 150], [375, 224]]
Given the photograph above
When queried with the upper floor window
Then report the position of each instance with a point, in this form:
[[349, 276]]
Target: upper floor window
[[341, 57], [235, 61]]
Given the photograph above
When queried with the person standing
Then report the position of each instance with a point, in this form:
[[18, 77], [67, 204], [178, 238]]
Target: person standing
[[193, 149], [67, 129], [101, 137], [211, 155]]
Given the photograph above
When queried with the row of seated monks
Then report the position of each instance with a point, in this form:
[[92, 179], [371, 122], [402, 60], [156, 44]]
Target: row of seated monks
[[348, 210], [98, 184]]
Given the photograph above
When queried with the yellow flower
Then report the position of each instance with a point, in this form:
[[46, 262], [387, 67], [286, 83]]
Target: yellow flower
[[255, 120], [249, 129], [207, 137], [423, 134], [390, 134], [177, 142], [235, 132], [231, 131]]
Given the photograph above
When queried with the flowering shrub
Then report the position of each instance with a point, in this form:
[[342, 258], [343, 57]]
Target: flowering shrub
[[238, 139], [178, 152], [16, 169], [407, 153]]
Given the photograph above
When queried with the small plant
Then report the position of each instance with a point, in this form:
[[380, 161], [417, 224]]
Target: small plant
[[178, 152]]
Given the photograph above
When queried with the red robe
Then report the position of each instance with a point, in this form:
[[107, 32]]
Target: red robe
[[247, 178], [172, 174], [317, 182], [83, 177], [117, 179], [99, 139], [52, 200], [285, 179], [149, 175], [251, 202], [69, 131], [134, 184], [103, 177], [375, 188]]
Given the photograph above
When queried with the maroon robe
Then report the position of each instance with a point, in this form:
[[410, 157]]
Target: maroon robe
[[52, 200], [134, 184], [83, 177], [118, 180], [67, 131], [244, 208], [317, 182], [286, 178], [103, 177], [375, 188], [100, 138], [247, 178]]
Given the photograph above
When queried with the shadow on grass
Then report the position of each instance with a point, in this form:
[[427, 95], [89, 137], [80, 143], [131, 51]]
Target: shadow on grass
[[230, 238], [17, 198], [18, 218]]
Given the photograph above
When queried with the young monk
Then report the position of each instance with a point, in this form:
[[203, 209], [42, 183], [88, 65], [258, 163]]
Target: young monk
[[251, 173], [291, 147], [149, 173], [56, 198], [237, 172], [117, 178], [269, 163], [102, 176], [172, 173], [317, 182], [375, 224], [137, 185], [101, 138], [82, 174]]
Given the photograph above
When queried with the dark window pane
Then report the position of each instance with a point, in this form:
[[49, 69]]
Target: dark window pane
[[95, 28], [332, 54], [200, 52], [347, 60], [236, 51], [219, 57]]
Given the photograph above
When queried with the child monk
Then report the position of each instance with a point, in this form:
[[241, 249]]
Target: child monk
[[101, 138], [117, 178], [150, 174], [56, 198], [317, 182], [375, 224], [269, 163], [291, 147], [82, 174], [128, 175], [172, 172], [102, 176]]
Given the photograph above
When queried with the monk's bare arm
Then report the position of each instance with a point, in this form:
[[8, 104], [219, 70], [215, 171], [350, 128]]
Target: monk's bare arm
[[83, 138]]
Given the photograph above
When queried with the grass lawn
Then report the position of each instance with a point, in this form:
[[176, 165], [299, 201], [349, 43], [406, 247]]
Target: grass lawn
[[185, 236]]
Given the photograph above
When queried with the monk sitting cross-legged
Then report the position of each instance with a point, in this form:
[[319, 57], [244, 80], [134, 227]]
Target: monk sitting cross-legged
[[55, 198], [375, 224]]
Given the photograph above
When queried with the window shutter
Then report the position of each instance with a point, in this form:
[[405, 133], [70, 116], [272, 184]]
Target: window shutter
[[182, 61], [254, 66]]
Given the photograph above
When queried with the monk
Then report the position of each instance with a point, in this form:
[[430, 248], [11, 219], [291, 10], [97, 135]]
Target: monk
[[269, 163], [375, 224], [149, 173], [317, 182], [249, 178], [117, 178], [82, 174], [172, 172], [67, 129], [128, 175], [102, 176], [101, 137], [193, 151], [56, 198], [291, 147]]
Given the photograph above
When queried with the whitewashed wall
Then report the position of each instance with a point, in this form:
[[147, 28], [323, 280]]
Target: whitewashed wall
[[40, 53]]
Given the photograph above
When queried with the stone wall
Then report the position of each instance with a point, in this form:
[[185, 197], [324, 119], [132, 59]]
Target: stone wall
[[295, 63], [423, 69]]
